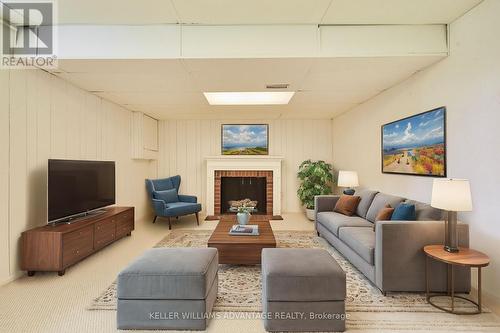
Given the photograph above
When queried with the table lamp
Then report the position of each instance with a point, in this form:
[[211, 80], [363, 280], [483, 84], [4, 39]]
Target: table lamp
[[348, 179], [451, 195]]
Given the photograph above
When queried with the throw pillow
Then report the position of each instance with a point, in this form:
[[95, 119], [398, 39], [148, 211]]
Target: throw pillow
[[347, 204], [384, 214], [168, 196], [404, 212]]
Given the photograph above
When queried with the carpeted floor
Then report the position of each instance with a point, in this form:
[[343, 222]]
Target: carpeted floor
[[240, 288], [47, 303]]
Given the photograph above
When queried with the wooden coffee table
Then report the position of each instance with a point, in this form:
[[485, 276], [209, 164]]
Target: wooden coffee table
[[241, 250]]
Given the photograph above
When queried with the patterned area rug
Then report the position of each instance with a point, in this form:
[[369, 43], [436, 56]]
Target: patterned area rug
[[240, 286]]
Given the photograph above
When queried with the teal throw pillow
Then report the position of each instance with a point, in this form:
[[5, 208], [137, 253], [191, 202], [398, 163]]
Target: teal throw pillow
[[168, 196], [404, 212]]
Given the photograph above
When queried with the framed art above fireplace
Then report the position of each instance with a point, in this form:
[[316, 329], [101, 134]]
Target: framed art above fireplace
[[245, 139], [416, 145]]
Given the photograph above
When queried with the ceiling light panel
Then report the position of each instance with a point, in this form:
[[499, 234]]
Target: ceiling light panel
[[249, 98]]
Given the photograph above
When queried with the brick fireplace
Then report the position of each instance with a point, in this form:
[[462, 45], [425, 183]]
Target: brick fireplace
[[243, 174], [248, 168]]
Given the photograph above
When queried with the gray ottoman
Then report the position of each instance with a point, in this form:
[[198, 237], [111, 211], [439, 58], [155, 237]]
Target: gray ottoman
[[302, 290], [168, 288]]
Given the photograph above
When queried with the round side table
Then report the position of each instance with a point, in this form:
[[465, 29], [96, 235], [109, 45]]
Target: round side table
[[466, 258]]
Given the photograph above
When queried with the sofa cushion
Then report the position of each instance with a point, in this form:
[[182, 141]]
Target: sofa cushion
[[426, 212], [301, 275], [347, 204], [379, 202], [168, 196], [169, 273], [404, 212], [182, 208], [334, 221], [361, 241], [365, 202]]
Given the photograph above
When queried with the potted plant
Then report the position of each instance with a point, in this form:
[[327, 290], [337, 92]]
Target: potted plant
[[316, 179], [243, 214]]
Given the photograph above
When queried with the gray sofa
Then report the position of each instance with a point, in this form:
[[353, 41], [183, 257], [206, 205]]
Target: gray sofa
[[391, 254]]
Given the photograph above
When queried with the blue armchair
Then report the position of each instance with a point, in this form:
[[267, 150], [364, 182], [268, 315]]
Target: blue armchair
[[167, 202]]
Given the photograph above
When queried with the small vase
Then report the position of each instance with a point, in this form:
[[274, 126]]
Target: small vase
[[243, 218]]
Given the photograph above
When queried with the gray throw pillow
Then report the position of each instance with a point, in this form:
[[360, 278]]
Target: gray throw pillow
[[426, 212]]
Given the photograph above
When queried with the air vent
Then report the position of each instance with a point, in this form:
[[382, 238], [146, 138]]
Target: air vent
[[278, 86]]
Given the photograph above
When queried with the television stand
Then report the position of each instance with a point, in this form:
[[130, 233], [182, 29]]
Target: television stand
[[55, 248]]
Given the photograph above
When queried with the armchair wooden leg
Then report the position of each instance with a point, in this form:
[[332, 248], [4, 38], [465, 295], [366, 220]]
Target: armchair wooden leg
[[169, 224], [154, 221], [197, 219]]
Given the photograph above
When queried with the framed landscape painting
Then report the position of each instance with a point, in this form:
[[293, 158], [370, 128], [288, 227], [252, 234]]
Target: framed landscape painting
[[416, 145], [245, 139]]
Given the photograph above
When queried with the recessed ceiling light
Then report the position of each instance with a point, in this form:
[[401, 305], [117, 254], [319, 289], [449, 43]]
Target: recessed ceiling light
[[249, 98]]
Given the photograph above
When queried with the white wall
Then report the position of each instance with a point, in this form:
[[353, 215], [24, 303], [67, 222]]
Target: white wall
[[185, 143], [42, 117], [468, 84]]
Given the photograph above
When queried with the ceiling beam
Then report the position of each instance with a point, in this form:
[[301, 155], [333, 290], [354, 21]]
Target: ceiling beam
[[383, 40], [247, 41]]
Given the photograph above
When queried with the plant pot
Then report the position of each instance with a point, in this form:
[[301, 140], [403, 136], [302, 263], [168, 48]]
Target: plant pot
[[310, 214], [243, 218]]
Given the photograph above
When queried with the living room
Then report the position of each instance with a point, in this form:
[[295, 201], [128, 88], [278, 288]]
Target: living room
[[352, 133]]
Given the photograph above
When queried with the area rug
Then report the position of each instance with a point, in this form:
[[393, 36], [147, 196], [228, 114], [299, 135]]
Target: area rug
[[240, 286]]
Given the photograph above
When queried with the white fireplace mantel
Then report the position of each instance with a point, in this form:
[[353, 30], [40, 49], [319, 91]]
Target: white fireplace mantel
[[244, 162]]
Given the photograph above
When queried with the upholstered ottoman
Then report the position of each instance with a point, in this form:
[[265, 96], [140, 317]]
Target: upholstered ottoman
[[302, 290], [168, 288]]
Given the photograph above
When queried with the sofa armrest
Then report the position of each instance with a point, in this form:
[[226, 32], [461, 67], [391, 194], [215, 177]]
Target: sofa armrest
[[159, 206], [324, 203], [188, 198], [400, 259]]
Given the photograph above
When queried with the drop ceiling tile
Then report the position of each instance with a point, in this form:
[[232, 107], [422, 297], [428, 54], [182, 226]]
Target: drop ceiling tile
[[130, 82], [156, 98], [396, 11], [251, 12], [123, 66], [222, 12], [116, 12], [330, 97], [247, 74], [324, 87]]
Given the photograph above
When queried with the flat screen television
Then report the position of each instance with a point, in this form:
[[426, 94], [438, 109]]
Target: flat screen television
[[78, 187]]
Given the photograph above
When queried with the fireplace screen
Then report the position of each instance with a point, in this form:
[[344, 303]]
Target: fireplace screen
[[250, 191]]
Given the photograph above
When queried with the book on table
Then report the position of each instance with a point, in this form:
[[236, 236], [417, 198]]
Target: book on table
[[244, 230]]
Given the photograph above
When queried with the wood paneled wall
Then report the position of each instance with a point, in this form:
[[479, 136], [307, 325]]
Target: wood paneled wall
[[185, 143], [42, 117]]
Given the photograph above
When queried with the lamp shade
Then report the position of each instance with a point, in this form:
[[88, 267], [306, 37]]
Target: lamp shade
[[348, 179], [451, 194]]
